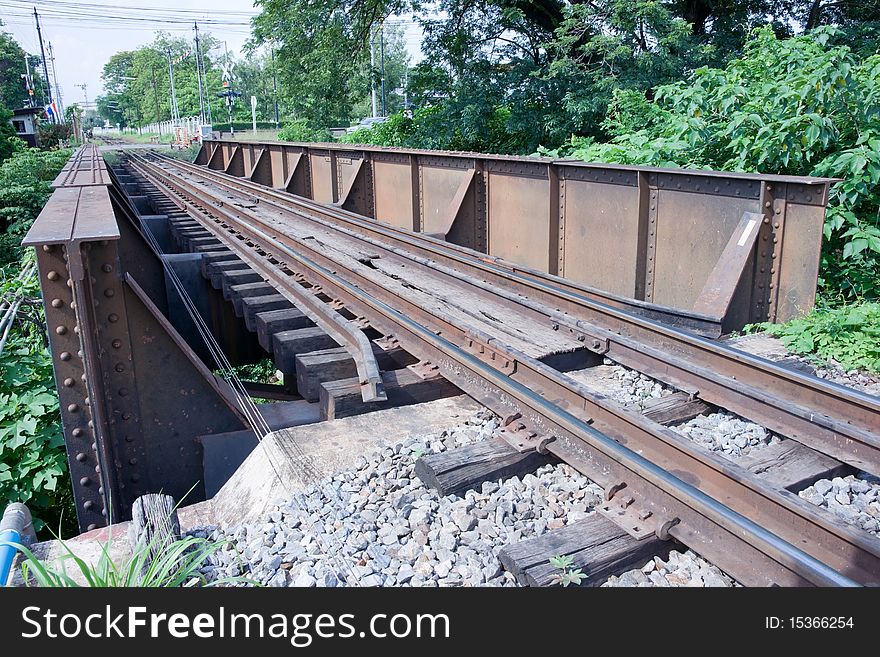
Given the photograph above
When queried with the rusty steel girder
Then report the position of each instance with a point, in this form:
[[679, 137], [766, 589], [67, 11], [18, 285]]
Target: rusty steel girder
[[132, 397], [659, 239], [755, 531]]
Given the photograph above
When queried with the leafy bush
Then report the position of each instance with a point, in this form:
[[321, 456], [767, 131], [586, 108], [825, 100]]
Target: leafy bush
[[24, 189], [299, 130], [483, 130], [9, 141], [51, 135], [396, 130], [800, 106], [849, 335], [33, 465], [176, 564]]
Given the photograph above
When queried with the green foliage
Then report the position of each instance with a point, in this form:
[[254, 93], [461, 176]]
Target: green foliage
[[24, 188], [849, 334], [12, 89], [260, 372], [567, 574], [299, 131], [53, 135], [244, 126], [397, 130], [175, 564], [9, 141], [322, 56], [801, 106], [137, 82], [33, 466]]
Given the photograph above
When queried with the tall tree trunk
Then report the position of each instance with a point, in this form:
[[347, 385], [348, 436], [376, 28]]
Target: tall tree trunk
[[815, 15]]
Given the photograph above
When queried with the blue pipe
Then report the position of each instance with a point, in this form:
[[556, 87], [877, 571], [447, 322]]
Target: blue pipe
[[16, 528]]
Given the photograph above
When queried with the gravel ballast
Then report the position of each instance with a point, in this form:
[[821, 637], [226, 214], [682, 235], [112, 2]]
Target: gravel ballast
[[727, 434], [384, 527], [854, 499], [679, 569]]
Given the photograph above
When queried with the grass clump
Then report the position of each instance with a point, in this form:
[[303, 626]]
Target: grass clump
[[173, 564], [848, 334]]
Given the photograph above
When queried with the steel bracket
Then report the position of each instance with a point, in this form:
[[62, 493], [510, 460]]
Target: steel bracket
[[387, 343], [424, 369], [622, 510], [495, 357], [522, 438]]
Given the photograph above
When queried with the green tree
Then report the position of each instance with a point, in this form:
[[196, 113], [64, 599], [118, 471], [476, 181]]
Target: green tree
[[9, 142], [320, 54], [138, 84], [802, 106], [13, 93]]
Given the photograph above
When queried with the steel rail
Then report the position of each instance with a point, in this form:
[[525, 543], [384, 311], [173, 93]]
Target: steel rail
[[699, 323], [343, 331], [655, 468], [824, 416]]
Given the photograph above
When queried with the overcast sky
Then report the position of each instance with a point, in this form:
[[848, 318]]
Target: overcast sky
[[83, 45]]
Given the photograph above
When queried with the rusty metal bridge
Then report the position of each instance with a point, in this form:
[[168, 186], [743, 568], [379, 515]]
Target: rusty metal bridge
[[378, 277]]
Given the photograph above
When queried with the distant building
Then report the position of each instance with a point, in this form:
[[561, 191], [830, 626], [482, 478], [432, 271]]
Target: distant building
[[25, 123]]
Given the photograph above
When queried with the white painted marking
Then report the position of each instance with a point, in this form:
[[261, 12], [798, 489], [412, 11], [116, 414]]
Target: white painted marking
[[747, 232]]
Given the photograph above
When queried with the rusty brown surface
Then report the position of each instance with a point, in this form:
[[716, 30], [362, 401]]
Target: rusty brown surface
[[648, 234], [85, 167], [587, 429], [821, 415]]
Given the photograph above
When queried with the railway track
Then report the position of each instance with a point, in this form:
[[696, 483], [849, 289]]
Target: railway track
[[518, 341]]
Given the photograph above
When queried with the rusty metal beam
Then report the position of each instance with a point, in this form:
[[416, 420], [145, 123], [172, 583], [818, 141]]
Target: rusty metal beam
[[641, 224], [121, 431], [760, 534], [722, 282], [827, 417]]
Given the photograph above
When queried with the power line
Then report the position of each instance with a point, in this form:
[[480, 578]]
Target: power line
[[159, 10]]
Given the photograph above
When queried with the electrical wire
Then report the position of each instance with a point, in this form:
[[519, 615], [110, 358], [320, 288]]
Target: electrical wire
[[310, 472]]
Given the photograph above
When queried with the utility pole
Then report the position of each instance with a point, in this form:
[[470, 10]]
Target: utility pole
[[175, 117], [382, 56], [28, 81], [85, 93], [372, 70], [156, 98], [55, 80], [227, 75], [199, 75], [43, 55], [274, 86]]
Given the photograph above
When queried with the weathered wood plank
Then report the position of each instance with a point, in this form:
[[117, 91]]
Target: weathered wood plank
[[211, 257], [217, 269], [287, 344], [672, 409], [238, 277], [457, 470], [792, 466], [193, 242], [317, 367], [274, 321], [253, 305], [237, 293], [596, 545], [343, 398], [154, 524]]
